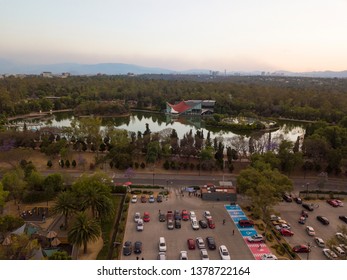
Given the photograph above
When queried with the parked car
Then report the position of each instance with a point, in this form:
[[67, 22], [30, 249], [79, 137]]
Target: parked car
[[146, 217], [301, 249], [139, 225], [286, 232], [185, 215], [339, 202], [287, 198], [211, 223], [162, 217], [323, 220], [333, 202], [246, 223], [143, 198], [170, 224], [195, 224], [191, 244], [304, 213], [151, 199], [192, 215], [338, 251], [177, 223], [343, 218], [200, 243], [177, 215], [127, 248], [203, 224], [183, 255], [224, 253], [341, 236], [310, 231], [134, 199], [138, 247], [269, 257], [159, 198], [274, 218], [255, 238], [329, 254], [137, 216], [320, 242], [298, 200], [302, 220], [204, 255], [162, 256], [207, 215], [162, 244], [308, 207], [211, 243]]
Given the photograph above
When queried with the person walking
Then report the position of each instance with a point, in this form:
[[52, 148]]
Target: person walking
[[233, 231], [223, 221]]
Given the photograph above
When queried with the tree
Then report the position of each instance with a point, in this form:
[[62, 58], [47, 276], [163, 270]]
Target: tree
[[65, 204], [13, 181], [289, 159], [95, 194], [83, 231], [3, 196], [54, 181], [264, 186]]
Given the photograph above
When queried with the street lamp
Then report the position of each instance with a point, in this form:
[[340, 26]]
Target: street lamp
[[308, 249]]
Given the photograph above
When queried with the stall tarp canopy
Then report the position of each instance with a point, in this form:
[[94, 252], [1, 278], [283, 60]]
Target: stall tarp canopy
[[20, 230]]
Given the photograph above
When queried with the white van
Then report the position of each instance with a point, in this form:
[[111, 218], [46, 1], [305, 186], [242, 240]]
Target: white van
[[339, 251], [162, 244]]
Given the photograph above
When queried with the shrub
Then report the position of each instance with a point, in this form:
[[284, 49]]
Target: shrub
[[73, 163], [143, 165], [166, 165], [67, 163], [49, 163]]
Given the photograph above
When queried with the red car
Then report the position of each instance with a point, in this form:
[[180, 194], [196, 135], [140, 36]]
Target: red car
[[286, 232], [301, 249], [185, 215], [191, 244], [333, 203], [210, 223], [146, 217]]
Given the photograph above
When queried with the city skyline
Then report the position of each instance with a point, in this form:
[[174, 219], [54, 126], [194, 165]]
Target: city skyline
[[179, 35]]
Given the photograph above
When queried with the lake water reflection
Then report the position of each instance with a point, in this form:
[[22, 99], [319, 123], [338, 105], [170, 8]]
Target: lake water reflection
[[158, 122]]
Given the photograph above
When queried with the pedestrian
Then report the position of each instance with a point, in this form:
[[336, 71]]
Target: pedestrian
[[142, 258], [137, 257], [159, 211], [223, 221], [233, 231]]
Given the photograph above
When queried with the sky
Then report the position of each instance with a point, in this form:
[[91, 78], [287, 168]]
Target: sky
[[231, 35]]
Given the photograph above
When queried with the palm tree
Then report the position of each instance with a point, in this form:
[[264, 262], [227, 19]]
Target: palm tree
[[83, 231], [65, 204], [98, 200]]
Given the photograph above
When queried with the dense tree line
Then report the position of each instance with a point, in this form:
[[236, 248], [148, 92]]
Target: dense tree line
[[298, 98]]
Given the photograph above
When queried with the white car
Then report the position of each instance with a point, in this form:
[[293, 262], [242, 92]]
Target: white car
[[275, 218], [200, 243], [137, 217], [204, 255], [224, 253], [285, 226], [183, 255], [162, 256], [207, 215], [192, 215], [162, 244], [338, 251], [339, 202], [139, 226], [134, 199], [320, 242], [310, 231], [329, 254], [255, 238], [269, 257], [195, 224]]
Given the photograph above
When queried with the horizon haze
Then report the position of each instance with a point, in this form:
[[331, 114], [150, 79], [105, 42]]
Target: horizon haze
[[225, 35]]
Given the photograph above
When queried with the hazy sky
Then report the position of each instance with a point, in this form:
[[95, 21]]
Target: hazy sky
[[236, 35]]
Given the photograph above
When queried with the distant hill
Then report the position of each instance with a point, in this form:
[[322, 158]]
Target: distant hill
[[9, 67]]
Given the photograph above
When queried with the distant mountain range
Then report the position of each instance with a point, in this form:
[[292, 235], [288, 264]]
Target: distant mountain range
[[9, 67]]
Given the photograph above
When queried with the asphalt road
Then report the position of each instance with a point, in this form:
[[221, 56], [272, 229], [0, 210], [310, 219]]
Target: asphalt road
[[176, 239]]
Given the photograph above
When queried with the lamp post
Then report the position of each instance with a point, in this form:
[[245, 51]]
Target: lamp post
[[309, 249]]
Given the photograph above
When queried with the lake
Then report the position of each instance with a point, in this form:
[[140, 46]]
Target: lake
[[163, 123]]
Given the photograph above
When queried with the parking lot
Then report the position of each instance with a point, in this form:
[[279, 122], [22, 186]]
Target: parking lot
[[176, 239], [291, 213]]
